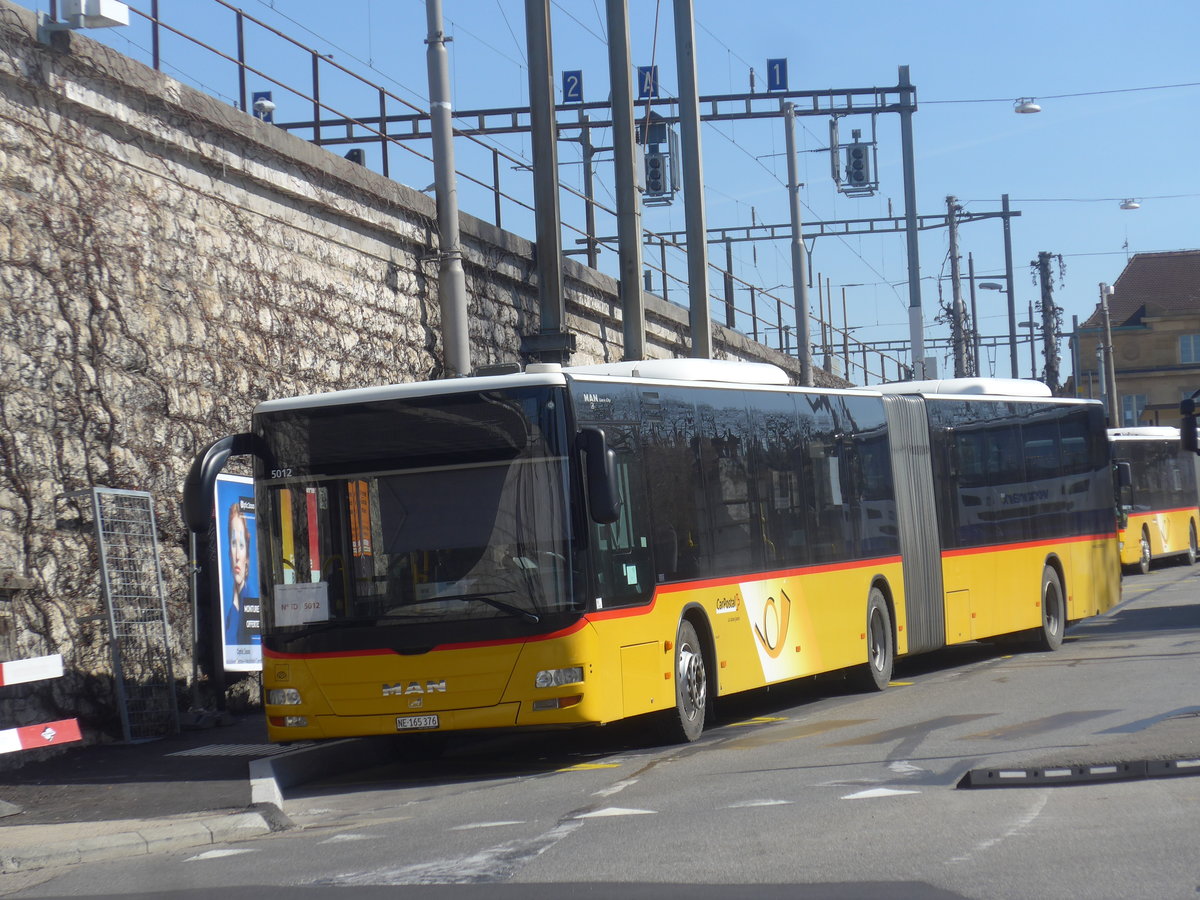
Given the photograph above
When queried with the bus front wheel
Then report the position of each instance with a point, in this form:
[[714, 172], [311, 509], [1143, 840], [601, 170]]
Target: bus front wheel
[[1192, 553], [881, 647], [1143, 562], [685, 722], [1054, 611]]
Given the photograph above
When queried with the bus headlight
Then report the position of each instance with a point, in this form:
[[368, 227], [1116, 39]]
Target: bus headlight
[[558, 677], [283, 697]]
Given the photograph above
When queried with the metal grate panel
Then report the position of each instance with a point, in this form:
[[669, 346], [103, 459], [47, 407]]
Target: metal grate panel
[[137, 612]]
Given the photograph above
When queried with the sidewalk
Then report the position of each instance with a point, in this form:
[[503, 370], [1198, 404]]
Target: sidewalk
[[196, 788], [104, 801]]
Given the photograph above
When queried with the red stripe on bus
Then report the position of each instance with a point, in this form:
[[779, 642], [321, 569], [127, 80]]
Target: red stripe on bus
[[1025, 545], [605, 614], [1163, 512]]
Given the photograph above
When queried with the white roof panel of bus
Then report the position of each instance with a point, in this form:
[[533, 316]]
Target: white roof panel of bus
[[1144, 432], [990, 387], [721, 370], [413, 389]]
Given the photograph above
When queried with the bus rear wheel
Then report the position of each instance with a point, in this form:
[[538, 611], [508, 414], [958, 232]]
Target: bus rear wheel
[[685, 722], [1192, 553], [1054, 611], [881, 647]]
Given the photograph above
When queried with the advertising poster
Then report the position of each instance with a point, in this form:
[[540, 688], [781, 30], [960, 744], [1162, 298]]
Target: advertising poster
[[237, 574]]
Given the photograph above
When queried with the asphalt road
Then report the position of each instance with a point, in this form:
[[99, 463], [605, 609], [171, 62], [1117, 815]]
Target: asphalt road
[[803, 792]]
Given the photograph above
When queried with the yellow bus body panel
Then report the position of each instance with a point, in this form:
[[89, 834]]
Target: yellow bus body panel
[[764, 630], [1167, 530], [992, 591]]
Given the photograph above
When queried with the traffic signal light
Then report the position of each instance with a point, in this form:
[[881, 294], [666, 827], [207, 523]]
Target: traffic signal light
[[656, 173], [858, 165]]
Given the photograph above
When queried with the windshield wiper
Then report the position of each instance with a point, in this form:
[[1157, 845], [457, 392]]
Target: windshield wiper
[[496, 604]]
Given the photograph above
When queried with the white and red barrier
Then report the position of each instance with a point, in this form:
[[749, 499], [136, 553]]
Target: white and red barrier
[[48, 734]]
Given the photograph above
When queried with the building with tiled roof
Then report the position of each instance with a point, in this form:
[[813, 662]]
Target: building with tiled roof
[[1154, 315]]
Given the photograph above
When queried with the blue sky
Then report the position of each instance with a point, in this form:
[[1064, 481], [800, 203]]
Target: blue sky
[[1099, 139]]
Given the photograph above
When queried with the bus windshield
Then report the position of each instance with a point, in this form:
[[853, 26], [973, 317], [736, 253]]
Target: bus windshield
[[447, 508]]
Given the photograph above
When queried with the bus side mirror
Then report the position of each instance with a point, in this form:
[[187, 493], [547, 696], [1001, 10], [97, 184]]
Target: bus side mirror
[[601, 473], [1124, 474], [1187, 426]]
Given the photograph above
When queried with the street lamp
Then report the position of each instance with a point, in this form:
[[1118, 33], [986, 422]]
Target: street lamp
[[1026, 105], [1012, 319], [1130, 204], [1032, 326]]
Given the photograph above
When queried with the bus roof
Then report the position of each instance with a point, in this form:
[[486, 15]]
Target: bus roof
[[724, 370], [1005, 387], [708, 370], [1144, 432]]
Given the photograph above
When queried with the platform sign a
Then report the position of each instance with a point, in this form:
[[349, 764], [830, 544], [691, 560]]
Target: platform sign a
[[777, 79], [647, 79], [572, 86]]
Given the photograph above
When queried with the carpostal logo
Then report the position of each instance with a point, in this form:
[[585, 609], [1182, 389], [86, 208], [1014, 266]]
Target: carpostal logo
[[727, 605]]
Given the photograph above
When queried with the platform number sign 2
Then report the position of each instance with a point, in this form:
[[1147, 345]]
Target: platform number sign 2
[[777, 79], [572, 86], [647, 79]]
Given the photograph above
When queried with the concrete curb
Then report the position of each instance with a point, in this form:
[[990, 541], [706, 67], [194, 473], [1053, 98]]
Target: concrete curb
[[270, 776], [29, 847]]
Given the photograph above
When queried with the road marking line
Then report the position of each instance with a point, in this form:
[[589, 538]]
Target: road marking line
[[616, 811], [217, 854], [873, 793]]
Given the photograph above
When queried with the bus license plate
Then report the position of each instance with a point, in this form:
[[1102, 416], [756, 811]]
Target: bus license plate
[[407, 723]]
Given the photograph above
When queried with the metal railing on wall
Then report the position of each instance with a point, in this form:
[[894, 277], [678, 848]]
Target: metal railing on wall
[[767, 319]]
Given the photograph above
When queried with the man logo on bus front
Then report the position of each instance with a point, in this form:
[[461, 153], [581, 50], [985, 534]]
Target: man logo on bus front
[[414, 687]]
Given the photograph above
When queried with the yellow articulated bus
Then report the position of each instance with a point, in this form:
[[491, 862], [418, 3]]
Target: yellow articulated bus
[[576, 546], [1157, 496]]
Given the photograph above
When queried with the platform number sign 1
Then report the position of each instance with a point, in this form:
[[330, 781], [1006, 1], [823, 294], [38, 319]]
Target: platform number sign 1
[[777, 79], [572, 86], [647, 82]]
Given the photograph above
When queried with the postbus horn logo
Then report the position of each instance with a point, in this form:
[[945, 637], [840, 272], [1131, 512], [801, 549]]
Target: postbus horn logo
[[772, 631]]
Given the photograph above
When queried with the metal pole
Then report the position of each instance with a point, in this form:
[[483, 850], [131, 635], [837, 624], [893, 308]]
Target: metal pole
[[589, 191], [316, 95], [452, 286], [974, 317], [693, 180], [1114, 418], [728, 278], [154, 40], [629, 201], [662, 258], [496, 185], [916, 326], [1049, 323], [1008, 280], [1032, 346], [548, 219], [241, 54], [383, 132], [1075, 352], [799, 251], [956, 308], [845, 337]]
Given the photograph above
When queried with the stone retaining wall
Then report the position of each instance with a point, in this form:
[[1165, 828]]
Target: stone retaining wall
[[166, 262]]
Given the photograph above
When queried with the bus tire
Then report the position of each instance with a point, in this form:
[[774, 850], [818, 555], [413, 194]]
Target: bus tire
[[1143, 563], [1054, 611], [876, 673], [1192, 553], [685, 722]]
